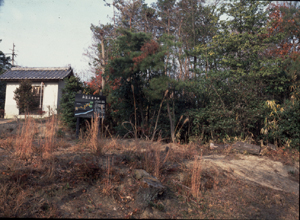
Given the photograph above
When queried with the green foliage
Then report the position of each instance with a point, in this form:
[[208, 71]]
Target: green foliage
[[282, 124], [4, 65], [238, 77], [24, 97], [72, 86], [4, 62], [2, 94], [138, 62], [202, 76], [291, 68]]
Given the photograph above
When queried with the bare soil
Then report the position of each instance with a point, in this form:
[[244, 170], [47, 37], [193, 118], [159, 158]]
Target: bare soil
[[76, 183]]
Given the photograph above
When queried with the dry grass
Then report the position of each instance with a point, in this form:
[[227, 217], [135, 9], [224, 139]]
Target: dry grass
[[285, 155], [148, 160], [12, 197], [16, 202], [7, 143], [62, 143], [50, 140], [157, 164], [196, 178], [107, 186], [24, 142], [58, 182], [90, 139]]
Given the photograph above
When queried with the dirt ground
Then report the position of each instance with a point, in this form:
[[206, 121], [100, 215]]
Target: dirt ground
[[75, 182]]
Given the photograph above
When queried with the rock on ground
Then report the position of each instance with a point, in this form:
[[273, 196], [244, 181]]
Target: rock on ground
[[150, 189], [266, 172]]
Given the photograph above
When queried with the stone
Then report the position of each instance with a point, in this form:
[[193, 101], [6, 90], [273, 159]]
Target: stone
[[151, 188], [219, 146], [272, 146], [146, 214], [140, 173], [242, 147], [212, 146]]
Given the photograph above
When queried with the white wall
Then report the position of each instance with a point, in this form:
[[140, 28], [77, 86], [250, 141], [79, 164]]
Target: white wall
[[10, 108], [51, 98]]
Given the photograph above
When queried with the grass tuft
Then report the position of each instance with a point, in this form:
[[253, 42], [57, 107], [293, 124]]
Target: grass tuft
[[91, 136], [50, 140], [24, 142], [196, 177]]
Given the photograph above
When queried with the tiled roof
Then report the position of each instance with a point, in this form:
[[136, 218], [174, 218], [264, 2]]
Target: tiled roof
[[17, 73]]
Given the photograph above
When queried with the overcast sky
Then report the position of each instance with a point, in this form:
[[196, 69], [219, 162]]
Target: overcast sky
[[51, 33]]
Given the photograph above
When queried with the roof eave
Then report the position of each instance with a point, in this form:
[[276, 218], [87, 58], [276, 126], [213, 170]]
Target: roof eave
[[32, 80]]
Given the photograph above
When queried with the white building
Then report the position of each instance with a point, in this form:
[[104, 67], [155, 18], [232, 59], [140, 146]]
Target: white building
[[47, 84]]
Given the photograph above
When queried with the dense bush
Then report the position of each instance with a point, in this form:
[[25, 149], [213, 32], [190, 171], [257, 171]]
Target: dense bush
[[72, 86], [2, 94], [204, 78], [282, 124], [24, 97]]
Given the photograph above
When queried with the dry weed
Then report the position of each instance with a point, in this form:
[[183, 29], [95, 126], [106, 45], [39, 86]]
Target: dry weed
[[63, 144], [160, 160], [157, 164], [7, 143], [196, 177], [24, 142], [12, 197], [107, 183], [148, 155], [285, 155], [91, 137], [50, 174], [16, 202], [50, 139]]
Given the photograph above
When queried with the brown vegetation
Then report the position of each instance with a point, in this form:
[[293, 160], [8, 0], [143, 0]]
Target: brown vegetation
[[46, 173]]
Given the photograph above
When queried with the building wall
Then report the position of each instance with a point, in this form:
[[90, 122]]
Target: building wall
[[10, 108], [51, 98]]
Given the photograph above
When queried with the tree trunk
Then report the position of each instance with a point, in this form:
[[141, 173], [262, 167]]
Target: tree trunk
[[154, 131], [172, 129], [103, 61], [135, 128]]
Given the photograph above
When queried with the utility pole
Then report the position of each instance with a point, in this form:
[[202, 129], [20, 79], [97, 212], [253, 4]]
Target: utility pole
[[13, 55], [114, 14]]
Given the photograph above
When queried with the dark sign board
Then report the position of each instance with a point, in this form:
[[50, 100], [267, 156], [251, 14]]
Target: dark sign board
[[87, 105]]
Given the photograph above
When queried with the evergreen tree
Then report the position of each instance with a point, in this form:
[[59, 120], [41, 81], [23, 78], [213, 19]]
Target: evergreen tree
[[139, 60], [24, 97], [233, 80], [4, 65], [67, 102]]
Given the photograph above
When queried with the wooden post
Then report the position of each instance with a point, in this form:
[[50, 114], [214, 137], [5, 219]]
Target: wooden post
[[77, 127], [102, 126], [99, 130]]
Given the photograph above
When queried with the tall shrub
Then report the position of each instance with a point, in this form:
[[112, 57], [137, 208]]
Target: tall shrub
[[25, 97], [282, 124], [73, 85]]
